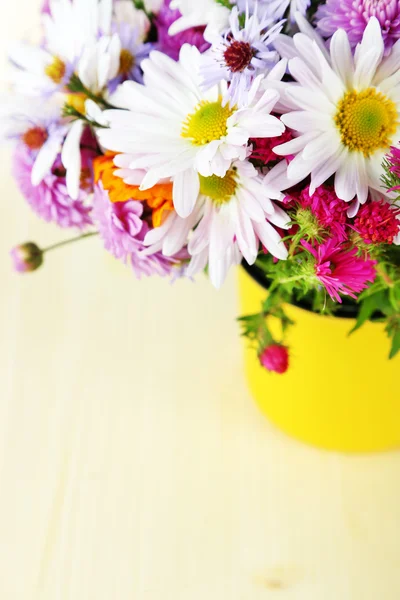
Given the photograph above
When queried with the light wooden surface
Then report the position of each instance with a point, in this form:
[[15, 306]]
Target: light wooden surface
[[133, 463]]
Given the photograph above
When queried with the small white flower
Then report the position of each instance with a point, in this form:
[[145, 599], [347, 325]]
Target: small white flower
[[71, 26], [241, 54], [172, 129], [38, 127]]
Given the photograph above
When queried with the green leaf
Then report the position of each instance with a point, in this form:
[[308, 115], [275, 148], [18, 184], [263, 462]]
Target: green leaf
[[395, 344], [368, 306]]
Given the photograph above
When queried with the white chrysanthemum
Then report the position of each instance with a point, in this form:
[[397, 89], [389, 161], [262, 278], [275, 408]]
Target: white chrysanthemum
[[233, 215], [37, 126], [173, 129], [346, 113], [71, 26], [241, 54], [213, 14]]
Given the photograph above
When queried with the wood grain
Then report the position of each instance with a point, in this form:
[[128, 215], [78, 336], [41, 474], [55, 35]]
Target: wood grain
[[133, 463]]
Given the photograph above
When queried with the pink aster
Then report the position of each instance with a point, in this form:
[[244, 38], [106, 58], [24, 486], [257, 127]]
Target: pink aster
[[353, 16], [171, 44], [329, 210], [50, 199], [123, 227], [340, 270]]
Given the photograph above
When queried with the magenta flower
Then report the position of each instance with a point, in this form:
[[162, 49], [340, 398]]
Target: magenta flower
[[275, 358], [340, 270], [171, 45], [50, 199], [353, 16], [122, 227], [329, 210]]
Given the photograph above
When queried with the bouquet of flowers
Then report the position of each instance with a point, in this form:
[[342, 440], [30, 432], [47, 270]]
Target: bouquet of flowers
[[196, 135]]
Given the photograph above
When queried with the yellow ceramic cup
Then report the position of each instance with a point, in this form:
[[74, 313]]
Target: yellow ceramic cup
[[340, 392]]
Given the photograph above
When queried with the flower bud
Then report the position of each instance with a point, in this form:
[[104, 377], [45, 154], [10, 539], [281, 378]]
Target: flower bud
[[27, 257], [275, 358]]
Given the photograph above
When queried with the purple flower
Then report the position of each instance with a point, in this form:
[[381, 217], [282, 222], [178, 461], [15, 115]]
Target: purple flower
[[353, 16], [123, 229], [50, 200], [171, 45]]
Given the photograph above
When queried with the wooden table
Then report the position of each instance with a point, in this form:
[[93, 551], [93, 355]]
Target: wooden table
[[133, 462]]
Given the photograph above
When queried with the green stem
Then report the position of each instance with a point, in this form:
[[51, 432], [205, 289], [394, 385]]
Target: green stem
[[70, 241]]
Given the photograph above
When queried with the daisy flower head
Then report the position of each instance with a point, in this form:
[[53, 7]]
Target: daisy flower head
[[233, 216], [173, 129], [341, 271], [131, 51], [36, 126], [353, 17], [345, 113], [69, 27], [241, 54]]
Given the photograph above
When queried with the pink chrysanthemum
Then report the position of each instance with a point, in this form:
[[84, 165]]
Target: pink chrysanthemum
[[353, 16], [171, 44], [50, 199], [378, 222], [263, 148], [329, 210], [340, 270], [123, 229]]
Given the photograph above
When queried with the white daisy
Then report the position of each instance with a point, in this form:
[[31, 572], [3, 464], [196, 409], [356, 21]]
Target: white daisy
[[233, 215], [38, 127], [241, 54], [172, 129], [211, 13], [71, 26], [347, 113]]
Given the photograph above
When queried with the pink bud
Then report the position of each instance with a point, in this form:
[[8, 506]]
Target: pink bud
[[275, 358], [27, 257]]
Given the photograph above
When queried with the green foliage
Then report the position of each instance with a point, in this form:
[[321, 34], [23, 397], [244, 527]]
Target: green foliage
[[257, 327]]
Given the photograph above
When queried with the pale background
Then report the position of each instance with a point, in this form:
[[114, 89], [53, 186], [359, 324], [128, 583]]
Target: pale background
[[133, 463]]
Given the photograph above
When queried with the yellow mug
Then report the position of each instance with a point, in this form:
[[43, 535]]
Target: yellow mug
[[340, 393]]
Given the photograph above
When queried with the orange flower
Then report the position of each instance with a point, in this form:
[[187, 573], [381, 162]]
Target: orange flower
[[158, 198]]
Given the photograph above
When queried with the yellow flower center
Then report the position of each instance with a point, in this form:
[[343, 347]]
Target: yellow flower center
[[56, 70], [77, 101], [367, 121], [207, 123], [126, 62], [219, 189]]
